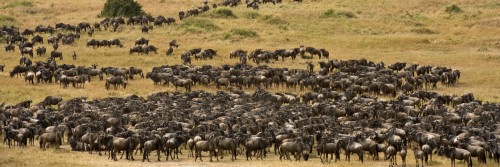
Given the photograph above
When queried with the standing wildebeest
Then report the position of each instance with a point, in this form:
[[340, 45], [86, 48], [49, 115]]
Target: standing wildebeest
[[229, 144], [151, 145], [137, 49], [51, 100], [455, 153], [55, 54], [41, 51], [26, 50], [186, 83], [55, 138], [209, 146], [2, 66], [325, 53], [352, 147], [19, 69], [142, 41], [30, 77], [37, 39], [313, 51], [121, 144], [10, 47], [170, 50], [116, 81], [419, 155], [295, 147]]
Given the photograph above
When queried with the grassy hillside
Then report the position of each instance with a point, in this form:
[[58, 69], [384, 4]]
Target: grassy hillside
[[413, 31], [417, 31]]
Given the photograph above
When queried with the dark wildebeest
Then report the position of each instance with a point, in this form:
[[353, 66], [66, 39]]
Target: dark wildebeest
[[151, 145], [10, 47], [26, 50], [419, 156], [55, 54], [186, 83], [455, 153], [55, 138], [170, 51], [51, 100], [116, 81], [41, 51], [209, 146], [19, 69], [2, 66], [137, 49], [121, 144]]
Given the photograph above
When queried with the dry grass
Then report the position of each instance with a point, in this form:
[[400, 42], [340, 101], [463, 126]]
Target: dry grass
[[385, 31]]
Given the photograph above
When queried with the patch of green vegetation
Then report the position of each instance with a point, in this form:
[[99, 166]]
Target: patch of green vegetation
[[198, 25], [453, 9], [127, 8], [7, 20], [423, 30], [270, 19], [225, 13], [483, 49], [242, 33], [18, 3], [330, 13], [251, 15]]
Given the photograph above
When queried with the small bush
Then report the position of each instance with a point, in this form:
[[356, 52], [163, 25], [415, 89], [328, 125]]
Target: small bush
[[7, 20], [423, 31], [270, 19], [18, 3], [127, 8], [197, 25], [330, 13], [453, 9], [238, 34], [222, 13], [251, 15]]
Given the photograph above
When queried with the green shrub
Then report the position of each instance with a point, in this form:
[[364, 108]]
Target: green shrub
[[270, 19], [330, 13], [7, 20], [238, 33], [423, 30], [198, 25], [127, 8], [18, 3], [222, 13], [251, 15], [453, 9]]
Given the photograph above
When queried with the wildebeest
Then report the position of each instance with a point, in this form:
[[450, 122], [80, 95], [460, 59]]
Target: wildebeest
[[116, 81], [41, 51], [19, 69], [142, 41], [10, 47], [55, 54], [27, 50], [55, 138], [209, 146], [124, 144], [151, 145], [51, 100], [455, 153]]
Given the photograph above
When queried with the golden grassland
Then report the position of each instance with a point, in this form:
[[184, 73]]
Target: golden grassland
[[418, 31], [414, 31]]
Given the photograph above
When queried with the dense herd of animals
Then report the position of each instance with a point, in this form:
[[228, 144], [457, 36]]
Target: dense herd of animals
[[339, 113]]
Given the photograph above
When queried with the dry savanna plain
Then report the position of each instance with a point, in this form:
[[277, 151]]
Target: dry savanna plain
[[412, 31]]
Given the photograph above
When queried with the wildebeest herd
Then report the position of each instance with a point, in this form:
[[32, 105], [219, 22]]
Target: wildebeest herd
[[339, 113]]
